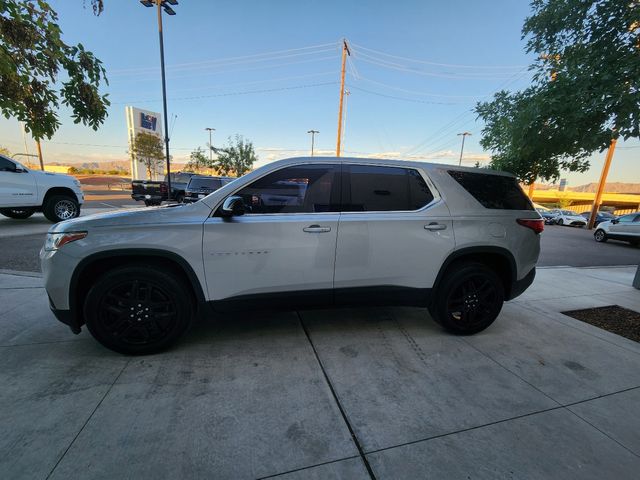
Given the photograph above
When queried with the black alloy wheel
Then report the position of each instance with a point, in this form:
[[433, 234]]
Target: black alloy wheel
[[138, 310], [469, 299]]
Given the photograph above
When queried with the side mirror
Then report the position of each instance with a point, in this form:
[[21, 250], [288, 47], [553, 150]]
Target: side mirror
[[233, 206], [615, 221]]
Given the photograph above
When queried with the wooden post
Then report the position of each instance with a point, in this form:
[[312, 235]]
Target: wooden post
[[40, 155], [603, 181]]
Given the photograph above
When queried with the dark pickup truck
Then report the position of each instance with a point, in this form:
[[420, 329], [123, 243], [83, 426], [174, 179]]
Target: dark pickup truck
[[153, 193], [202, 185]]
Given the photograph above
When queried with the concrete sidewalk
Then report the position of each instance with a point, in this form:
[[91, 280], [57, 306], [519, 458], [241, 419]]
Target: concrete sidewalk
[[352, 393]]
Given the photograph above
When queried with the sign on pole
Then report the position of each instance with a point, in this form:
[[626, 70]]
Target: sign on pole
[[139, 120]]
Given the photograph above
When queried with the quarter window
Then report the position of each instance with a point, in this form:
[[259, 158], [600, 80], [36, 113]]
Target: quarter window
[[299, 189], [381, 189], [495, 191], [7, 165]]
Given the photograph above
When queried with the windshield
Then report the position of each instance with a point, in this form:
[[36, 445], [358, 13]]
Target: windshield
[[567, 212]]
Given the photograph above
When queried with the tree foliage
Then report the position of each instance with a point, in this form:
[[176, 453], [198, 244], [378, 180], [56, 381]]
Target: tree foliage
[[236, 158], [39, 71], [4, 151], [585, 90], [198, 161], [148, 149]]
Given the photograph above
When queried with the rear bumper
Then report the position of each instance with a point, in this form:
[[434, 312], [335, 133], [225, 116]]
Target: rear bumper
[[148, 196], [519, 286]]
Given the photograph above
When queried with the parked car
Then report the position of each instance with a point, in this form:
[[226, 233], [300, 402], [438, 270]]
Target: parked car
[[626, 228], [24, 191], [547, 215], [570, 218], [153, 192], [202, 185], [600, 217], [298, 233]]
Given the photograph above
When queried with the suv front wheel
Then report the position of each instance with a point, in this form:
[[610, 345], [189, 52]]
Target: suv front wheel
[[468, 299], [138, 310]]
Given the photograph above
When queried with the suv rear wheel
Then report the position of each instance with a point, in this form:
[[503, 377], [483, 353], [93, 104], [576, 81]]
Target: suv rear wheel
[[138, 310], [17, 213], [468, 299], [58, 208]]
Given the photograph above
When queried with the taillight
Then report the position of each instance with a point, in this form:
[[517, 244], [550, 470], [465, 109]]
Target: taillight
[[535, 224]]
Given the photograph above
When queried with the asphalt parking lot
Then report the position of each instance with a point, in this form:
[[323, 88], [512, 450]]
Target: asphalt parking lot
[[329, 394]]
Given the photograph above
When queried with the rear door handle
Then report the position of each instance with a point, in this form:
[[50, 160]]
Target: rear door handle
[[316, 229], [435, 226]]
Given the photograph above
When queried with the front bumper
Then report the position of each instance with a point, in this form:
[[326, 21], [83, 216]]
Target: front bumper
[[65, 316]]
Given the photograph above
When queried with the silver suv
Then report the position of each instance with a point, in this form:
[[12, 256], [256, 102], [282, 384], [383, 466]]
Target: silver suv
[[298, 233]]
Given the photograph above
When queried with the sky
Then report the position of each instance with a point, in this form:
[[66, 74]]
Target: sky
[[270, 71]]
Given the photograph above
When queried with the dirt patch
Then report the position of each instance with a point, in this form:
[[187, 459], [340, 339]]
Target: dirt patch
[[612, 318]]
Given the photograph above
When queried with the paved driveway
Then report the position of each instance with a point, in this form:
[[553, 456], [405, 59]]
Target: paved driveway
[[353, 393]]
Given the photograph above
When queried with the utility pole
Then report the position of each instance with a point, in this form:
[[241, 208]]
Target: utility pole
[[464, 135], [345, 52], [346, 111], [211, 130], [313, 138], [603, 181]]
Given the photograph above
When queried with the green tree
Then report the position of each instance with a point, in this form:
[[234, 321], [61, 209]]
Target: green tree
[[4, 151], [198, 161], [39, 71], [584, 93], [148, 149], [236, 158]]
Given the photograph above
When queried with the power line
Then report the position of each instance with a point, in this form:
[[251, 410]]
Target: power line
[[450, 65], [401, 98]]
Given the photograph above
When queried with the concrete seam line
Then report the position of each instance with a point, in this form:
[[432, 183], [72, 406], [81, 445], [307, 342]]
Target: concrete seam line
[[39, 343], [604, 395], [89, 418], [354, 437], [603, 433], [301, 469], [20, 273]]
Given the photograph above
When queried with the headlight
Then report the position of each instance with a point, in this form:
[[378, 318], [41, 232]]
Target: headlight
[[56, 240]]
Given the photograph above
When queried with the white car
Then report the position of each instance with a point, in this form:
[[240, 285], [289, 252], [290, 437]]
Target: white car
[[626, 228], [24, 192], [570, 218], [298, 233]]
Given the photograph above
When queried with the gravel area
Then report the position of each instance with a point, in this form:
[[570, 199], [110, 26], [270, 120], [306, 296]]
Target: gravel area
[[614, 319]]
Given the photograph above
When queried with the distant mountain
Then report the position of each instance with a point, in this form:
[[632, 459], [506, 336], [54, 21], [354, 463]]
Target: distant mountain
[[615, 187]]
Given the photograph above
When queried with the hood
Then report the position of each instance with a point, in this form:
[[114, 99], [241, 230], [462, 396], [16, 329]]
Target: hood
[[59, 176], [574, 217], [137, 217]]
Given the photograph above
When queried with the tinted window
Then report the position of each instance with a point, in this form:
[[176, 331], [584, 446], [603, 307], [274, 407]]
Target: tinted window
[[383, 189], [7, 165], [493, 191], [200, 182], [299, 189], [627, 218]]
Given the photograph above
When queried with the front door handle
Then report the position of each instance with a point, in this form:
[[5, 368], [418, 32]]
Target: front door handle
[[316, 229], [435, 226]]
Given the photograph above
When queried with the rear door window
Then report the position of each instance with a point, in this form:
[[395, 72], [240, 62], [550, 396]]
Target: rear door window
[[493, 191], [373, 188]]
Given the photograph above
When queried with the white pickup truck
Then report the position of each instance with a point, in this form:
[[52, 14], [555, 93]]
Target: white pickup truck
[[24, 192]]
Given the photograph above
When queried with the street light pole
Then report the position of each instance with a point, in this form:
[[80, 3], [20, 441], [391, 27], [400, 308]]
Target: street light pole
[[313, 138], [464, 135], [211, 130], [163, 4]]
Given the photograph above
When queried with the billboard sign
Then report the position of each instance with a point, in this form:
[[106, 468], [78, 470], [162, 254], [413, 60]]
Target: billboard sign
[[142, 121]]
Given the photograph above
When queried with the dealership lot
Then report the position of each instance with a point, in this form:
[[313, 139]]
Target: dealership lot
[[315, 394]]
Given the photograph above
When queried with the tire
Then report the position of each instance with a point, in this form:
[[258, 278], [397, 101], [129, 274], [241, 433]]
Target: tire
[[138, 310], [151, 203], [61, 207], [17, 213], [468, 299], [560, 221], [600, 236], [180, 198]]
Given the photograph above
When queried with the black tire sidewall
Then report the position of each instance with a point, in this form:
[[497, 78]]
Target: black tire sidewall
[[49, 209], [452, 279], [172, 287], [10, 213], [604, 236]]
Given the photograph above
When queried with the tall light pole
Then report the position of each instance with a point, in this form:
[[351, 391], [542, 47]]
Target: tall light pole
[[210, 130], [464, 135], [163, 4], [313, 138]]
